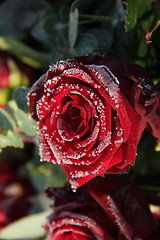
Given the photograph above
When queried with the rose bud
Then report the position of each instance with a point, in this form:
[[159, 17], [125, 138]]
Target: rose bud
[[92, 114], [105, 209], [15, 195]]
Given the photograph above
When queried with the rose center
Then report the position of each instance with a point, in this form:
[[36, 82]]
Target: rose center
[[75, 118], [75, 115]]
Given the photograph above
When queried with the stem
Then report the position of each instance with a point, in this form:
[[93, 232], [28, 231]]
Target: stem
[[96, 18], [149, 34], [91, 19], [25, 53]]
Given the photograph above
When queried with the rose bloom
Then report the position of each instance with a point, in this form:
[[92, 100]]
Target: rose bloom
[[15, 195], [105, 209], [92, 114]]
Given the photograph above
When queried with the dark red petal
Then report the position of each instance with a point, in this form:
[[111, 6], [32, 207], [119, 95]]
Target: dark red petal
[[115, 170], [153, 118], [35, 94], [115, 160], [110, 83], [45, 151], [65, 129], [77, 223], [130, 147], [81, 171], [142, 86], [108, 204], [139, 212]]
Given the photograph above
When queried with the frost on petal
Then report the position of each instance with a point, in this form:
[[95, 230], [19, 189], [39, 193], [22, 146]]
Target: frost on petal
[[130, 147], [78, 175], [42, 107], [101, 145], [86, 144], [78, 74], [44, 149], [108, 204], [58, 68], [111, 85], [65, 130], [75, 225]]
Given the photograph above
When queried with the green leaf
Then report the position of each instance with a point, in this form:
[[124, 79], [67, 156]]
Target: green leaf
[[44, 174], [57, 177], [27, 227], [39, 33], [104, 37], [11, 107], [56, 31], [41, 202], [50, 24], [6, 121], [145, 55], [131, 18], [20, 96], [86, 44], [73, 27], [25, 123], [63, 12], [49, 12], [10, 139], [38, 178]]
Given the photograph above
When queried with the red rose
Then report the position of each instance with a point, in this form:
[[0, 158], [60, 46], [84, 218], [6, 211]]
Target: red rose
[[15, 195], [92, 114], [105, 209]]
